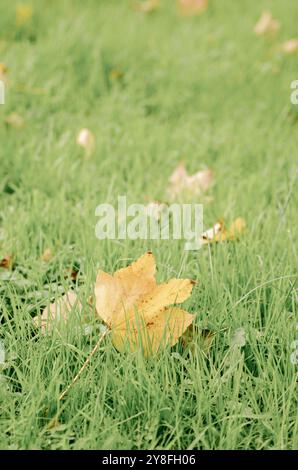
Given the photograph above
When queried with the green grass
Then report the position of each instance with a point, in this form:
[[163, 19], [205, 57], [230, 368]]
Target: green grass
[[205, 90]]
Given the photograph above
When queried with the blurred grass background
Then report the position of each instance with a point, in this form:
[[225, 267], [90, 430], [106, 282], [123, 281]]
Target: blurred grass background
[[154, 89]]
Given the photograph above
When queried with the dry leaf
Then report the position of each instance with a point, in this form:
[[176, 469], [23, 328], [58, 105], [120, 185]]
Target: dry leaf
[[138, 311], [86, 140], [24, 13], [266, 24], [237, 228], [58, 311], [6, 262], [181, 182], [72, 273], [192, 7], [15, 120], [212, 233], [291, 46], [220, 233], [47, 255], [147, 6]]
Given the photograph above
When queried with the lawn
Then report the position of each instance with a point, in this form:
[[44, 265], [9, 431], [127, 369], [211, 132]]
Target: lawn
[[155, 89]]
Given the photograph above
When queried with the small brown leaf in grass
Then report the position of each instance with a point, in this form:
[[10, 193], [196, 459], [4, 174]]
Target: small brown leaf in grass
[[6, 262], [182, 183], [57, 312], [147, 6], [212, 233], [266, 24], [47, 255], [290, 47], [86, 140], [192, 7], [220, 233], [139, 312], [72, 273], [15, 120]]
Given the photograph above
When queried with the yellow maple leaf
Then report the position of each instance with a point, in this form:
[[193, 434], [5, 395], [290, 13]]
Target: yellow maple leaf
[[139, 312], [220, 233]]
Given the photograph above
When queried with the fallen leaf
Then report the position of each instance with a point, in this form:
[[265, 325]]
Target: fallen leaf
[[6, 262], [72, 273], [192, 7], [139, 312], [47, 255], [57, 312], [147, 6], [86, 140], [237, 227], [239, 338], [181, 182], [219, 232], [15, 120], [291, 46], [212, 233], [266, 24], [24, 13]]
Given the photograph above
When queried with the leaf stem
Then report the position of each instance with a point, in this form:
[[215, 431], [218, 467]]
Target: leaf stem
[[78, 375]]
